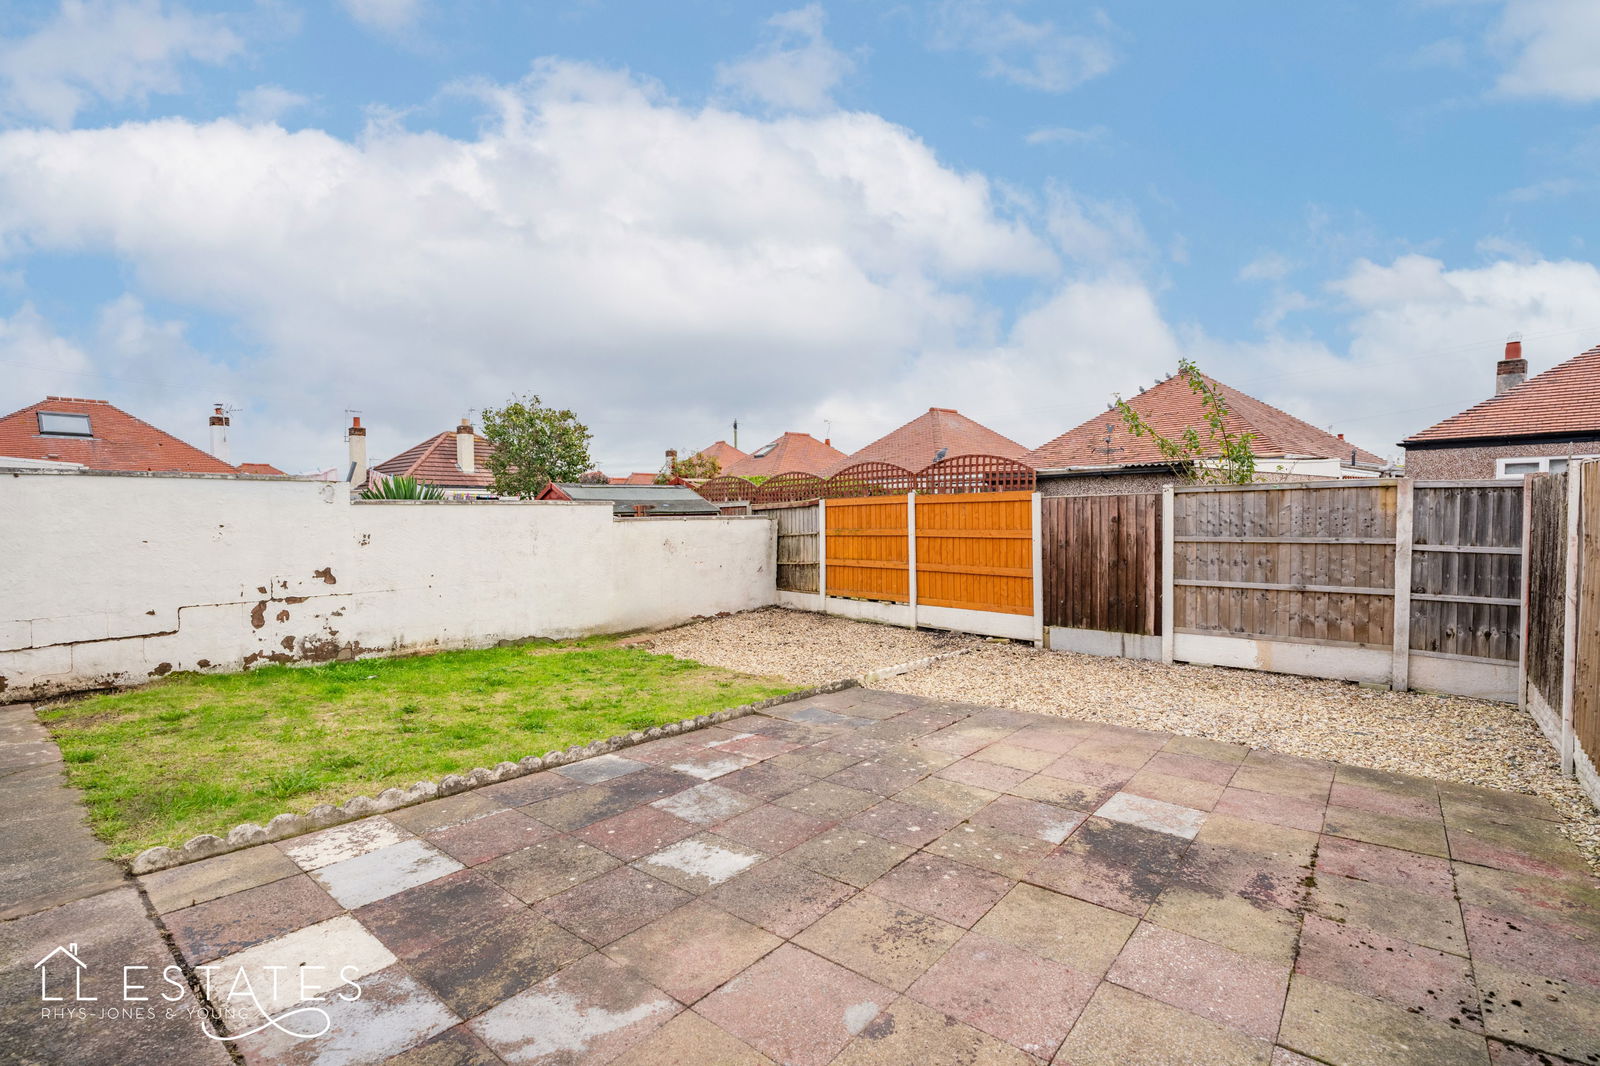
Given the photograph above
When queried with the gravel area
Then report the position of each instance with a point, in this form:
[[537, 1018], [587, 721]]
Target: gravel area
[[808, 649], [1447, 737]]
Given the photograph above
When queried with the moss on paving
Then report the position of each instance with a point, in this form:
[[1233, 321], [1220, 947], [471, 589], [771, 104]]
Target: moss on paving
[[196, 753]]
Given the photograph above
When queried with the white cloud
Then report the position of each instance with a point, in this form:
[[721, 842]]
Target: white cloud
[[1065, 135], [794, 68], [732, 265], [1034, 54], [1268, 266], [269, 103], [1551, 48], [386, 16], [117, 51]]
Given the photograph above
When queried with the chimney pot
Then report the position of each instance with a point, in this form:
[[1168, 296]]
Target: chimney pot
[[465, 448], [219, 433], [1512, 369], [357, 439], [1341, 436]]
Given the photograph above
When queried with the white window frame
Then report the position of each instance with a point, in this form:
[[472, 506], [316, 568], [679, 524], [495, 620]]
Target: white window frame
[[76, 417], [1542, 461]]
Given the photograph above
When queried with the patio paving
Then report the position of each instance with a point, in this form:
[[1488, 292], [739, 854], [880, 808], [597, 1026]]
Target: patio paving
[[873, 878]]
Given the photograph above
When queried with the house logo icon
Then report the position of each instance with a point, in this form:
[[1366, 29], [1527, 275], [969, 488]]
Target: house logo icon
[[77, 966]]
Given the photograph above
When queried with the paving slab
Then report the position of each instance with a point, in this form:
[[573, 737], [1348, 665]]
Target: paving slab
[[874, 880]]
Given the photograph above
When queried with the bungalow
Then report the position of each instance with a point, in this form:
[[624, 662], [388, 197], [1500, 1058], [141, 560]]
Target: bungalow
[[1527, 427], [724, 453], [941, 433], [66, 433], [791, 452], [635, 500], [452, 460], [1102, 456]]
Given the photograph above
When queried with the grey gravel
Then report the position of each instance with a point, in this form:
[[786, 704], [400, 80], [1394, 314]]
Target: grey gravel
[[1451, 738]]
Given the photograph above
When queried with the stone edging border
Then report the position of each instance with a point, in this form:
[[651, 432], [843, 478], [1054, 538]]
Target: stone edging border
[[323, 815]]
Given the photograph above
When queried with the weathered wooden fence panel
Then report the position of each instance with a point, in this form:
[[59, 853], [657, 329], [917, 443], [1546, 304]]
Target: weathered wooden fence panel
[[1586, 645], [868, 549], [1309, 562], [1466, 570], [974, 551], [1102, 562], [1547, 582], [797, 547]]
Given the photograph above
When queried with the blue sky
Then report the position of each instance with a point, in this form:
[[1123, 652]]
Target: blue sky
[[823, 217]]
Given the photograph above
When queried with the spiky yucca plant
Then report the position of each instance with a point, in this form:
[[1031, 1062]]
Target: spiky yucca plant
[[401, 487]]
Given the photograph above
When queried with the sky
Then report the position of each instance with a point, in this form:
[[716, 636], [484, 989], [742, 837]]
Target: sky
[[823, 218]]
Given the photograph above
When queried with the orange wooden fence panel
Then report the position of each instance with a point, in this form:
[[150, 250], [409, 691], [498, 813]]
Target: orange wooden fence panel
[[868, 550], [975, 551]]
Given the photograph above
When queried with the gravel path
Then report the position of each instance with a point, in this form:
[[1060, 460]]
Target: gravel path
[[1448, 737], [808, 649]]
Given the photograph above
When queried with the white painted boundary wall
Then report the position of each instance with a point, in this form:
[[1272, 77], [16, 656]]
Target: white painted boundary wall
[[109, 580]]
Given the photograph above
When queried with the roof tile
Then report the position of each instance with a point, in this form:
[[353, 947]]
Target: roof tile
[[1169, 408], [1563, 399], [915, 444], [120, 441]]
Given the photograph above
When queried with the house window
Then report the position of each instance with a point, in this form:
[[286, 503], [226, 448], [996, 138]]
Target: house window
[[52, 424], [1533, 464], [763, 451]]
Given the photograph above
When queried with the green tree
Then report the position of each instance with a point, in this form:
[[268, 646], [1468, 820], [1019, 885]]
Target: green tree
[[696, 467], [1220, 456], [534, 445]]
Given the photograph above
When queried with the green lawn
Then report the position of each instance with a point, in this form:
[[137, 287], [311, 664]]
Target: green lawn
[[199, 753]]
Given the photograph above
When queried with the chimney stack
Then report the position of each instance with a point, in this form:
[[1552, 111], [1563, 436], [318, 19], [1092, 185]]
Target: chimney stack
[[1512, 369], [219, 434], [465, 458], [357, 436]]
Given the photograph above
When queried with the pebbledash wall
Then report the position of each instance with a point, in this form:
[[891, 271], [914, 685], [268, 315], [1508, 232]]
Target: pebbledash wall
[[114, 579]]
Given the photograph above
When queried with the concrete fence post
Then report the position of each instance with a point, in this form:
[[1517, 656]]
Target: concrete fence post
[[1168, 550], [1569, 610], [911, 554], [1522, 617], [1036, 506], [1400, 662], [822, 556]]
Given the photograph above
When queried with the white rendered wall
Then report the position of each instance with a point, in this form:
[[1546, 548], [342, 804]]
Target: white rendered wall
[[109, 580]]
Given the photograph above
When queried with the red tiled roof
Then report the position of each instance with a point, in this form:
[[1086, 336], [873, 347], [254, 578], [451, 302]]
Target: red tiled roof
[[724, 453], [636, 478], [434, 462], [791, 452], [119, 442], [914, 445], [1171, 407], [261, 468], [1563, 399]]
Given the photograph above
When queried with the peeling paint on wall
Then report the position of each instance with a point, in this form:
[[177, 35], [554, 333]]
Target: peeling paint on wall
[[130, 581]]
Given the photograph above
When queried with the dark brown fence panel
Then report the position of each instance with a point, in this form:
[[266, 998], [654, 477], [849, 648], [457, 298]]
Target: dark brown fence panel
[[1311, 562], [1466, 570], [871, 479], [1102, 562], [964, 474], [1547, 582], [1586, 680]]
